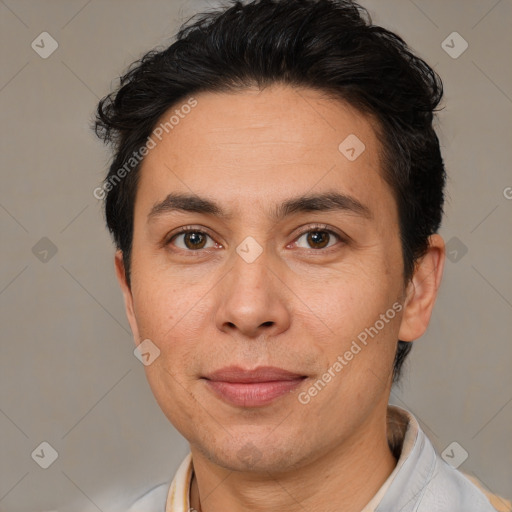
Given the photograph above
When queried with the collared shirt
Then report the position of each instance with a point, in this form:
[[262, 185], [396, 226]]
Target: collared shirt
[[421, 481]]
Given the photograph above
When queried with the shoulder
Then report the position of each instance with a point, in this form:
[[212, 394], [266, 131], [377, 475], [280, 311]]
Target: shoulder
[[424, 482], [449, 489], [498, 502]]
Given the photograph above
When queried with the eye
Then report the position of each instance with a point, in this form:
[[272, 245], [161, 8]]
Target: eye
[[318, 238], [192, 239]]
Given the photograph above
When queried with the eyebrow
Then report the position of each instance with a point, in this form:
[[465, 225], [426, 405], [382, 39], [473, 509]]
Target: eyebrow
[[325, 202]]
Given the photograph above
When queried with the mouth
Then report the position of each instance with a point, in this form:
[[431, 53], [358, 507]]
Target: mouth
[[252, 388]]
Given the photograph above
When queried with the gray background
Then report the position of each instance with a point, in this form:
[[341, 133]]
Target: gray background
[[68, 375]]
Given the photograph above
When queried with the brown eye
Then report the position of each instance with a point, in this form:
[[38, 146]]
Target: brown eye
[[192, 240], [318, 238]]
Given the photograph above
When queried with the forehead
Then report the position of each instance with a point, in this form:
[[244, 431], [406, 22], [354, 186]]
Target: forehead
[[254, 146]]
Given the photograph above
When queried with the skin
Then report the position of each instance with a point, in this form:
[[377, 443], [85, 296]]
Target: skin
[[297, 307]]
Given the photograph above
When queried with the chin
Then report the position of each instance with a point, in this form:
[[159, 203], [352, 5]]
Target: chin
[[254, 456]]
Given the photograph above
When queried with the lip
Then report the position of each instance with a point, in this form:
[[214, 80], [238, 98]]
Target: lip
[[236, 374], [252, 388]]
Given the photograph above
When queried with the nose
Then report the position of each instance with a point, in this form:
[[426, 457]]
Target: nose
[[253, 300]]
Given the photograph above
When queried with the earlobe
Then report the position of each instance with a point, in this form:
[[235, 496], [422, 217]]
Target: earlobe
[[422, 291], [127, 293]]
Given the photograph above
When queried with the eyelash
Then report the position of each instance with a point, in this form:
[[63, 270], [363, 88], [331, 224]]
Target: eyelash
[[311, 228]]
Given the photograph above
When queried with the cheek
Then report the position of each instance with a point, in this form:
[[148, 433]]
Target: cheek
[[362, 314], [161, 302], [156, 309], [348, 301], [175, 319]]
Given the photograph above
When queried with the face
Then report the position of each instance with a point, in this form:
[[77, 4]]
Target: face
[[257, 284]]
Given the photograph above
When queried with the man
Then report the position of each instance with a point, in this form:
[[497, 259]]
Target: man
[[275, 196]]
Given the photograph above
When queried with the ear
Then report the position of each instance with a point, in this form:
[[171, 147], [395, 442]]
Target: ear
[[127, 294], [422, 291]]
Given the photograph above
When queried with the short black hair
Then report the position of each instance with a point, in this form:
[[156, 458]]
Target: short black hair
[[327, 45]]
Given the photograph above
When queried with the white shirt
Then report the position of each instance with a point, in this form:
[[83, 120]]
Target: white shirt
[[421, 481]]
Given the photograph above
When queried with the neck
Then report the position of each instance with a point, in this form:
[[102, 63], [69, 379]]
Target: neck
[[344, 478]]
